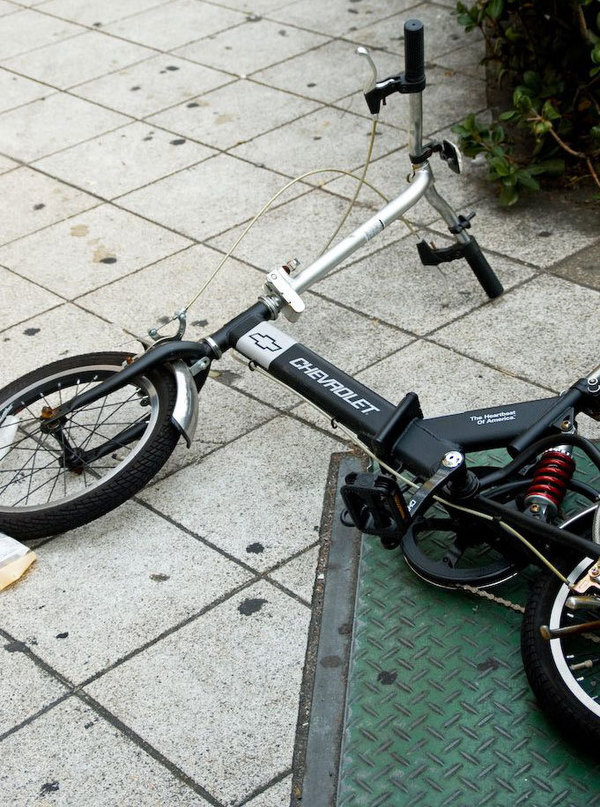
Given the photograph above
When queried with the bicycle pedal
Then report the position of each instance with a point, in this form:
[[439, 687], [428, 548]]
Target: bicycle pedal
[[375, 506]]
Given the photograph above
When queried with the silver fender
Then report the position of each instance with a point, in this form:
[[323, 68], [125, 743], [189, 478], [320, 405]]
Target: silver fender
[[185, 411]]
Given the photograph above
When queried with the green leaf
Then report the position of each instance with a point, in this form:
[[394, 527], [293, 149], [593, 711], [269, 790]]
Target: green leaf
[[508, 196], [554, 166], [549, 112], [495, 8], [527, 181], [512, 114], [498, 134], [522, 99], [500, 166], [595, 132], [532, 81]]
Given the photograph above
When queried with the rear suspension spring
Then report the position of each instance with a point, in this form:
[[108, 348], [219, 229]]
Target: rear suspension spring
[[551, 478]]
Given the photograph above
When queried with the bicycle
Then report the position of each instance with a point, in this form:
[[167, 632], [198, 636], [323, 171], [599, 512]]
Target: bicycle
[[84, 434]]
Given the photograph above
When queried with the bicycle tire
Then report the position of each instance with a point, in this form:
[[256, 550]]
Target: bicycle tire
[[565, 694], [54, 481]]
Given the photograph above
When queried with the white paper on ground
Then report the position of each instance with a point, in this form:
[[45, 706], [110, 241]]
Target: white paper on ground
[[15, 558]]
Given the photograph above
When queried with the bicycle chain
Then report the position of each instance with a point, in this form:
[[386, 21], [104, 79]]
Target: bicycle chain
[[486, 595]]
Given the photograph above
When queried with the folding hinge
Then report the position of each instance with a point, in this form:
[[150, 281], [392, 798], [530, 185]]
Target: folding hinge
[[279, 283]]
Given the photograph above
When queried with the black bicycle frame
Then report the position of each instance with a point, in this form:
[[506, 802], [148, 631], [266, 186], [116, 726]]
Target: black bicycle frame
[[400, 432]]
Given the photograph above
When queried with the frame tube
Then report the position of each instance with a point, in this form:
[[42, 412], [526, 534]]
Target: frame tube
[[363, 234]]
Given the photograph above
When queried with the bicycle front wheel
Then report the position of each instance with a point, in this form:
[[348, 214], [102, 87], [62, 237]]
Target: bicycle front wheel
[[560, 645], [57, 474]]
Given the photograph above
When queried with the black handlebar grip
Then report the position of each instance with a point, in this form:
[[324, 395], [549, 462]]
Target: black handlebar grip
[[414, 53], [482, 270]]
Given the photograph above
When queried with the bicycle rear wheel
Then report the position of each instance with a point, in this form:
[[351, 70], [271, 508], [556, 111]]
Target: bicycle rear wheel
[[57, 475], [564, 672]]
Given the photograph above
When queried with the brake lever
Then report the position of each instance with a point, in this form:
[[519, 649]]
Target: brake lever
[[362, 51]]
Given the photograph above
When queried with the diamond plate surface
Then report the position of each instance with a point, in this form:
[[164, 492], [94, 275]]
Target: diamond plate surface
[[438, 705]]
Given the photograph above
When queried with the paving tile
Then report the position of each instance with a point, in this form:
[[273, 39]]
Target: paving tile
[[64, 331], [256, 7], [206, 199], [120, 161], [540, 234], [71, 755], [97, 12], [252, 46], [8, 8], [338, 17], [324, 73], [224, 414], [388, 175], [233, 114], [275, 796], [151, 85], [57, 122], [77, 59], [21, 299], [466, 60], [35, 690], [235, 706], [302, 228], [148, 577], [29, 201], [388, 34], [582, 267], [445, 381], [28, 30], [151, 296], [435, 295], [546, 331], [298, 574], [323, 139], [276, 502], [6, 164], [175, 24], [17, 90], [89, 250]]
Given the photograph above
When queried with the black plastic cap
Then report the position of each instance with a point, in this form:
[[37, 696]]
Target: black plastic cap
[[414, 52]]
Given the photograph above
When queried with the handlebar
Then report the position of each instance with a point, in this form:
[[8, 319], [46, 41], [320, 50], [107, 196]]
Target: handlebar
[[482, 270], [414, 56]]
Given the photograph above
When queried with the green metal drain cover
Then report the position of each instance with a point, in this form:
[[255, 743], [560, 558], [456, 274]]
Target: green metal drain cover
[[438, 708]]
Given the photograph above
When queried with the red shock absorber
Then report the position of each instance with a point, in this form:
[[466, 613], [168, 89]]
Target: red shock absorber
[[550, 480]]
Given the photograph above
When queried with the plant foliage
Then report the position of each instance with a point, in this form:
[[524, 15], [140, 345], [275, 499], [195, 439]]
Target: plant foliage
[[548, 53]]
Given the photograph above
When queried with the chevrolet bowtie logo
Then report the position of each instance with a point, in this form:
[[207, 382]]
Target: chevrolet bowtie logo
[[265, 342]]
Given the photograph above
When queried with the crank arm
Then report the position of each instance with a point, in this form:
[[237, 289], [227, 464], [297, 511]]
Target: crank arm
[[582, 602], [556, 633]]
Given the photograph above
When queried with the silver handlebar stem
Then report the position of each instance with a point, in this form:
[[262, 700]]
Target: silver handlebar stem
[[363, 234]]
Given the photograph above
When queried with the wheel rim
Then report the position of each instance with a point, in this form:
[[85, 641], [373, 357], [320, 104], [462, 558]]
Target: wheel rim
[[565, 652], [32, 477]]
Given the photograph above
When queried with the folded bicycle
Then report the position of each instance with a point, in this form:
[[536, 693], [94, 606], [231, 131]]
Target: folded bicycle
[[82, 435]]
